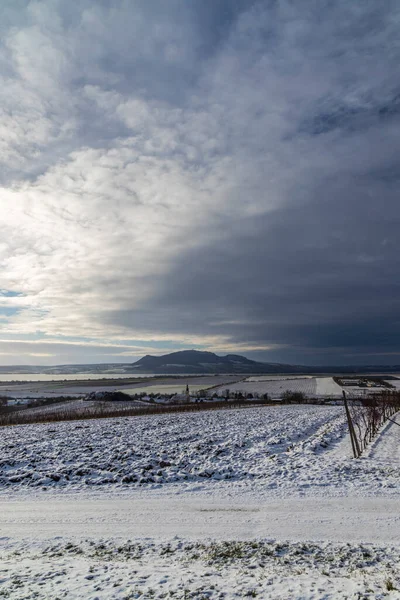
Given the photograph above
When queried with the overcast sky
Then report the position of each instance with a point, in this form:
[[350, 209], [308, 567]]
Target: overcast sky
[[211, 174]]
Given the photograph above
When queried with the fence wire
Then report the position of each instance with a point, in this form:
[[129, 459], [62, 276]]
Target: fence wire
[[366, 416]]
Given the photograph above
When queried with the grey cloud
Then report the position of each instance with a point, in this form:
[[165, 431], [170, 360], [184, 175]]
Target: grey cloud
[[341, 116], [207, 171], [321, 278]]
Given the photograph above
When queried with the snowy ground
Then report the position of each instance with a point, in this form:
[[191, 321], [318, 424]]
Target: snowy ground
[[49, 389], [108, 569], [199, 516], [164, 389], [394, 382], [277, 450], [275, 386], [269, 448], [327, 386], [48, 409], [79, 406], [263, 502]]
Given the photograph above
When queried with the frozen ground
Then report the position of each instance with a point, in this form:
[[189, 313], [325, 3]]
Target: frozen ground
[[48, 409], [164, 389], [385, 449], [200, 516], [271, 449], [48, 389], [204, 500], [79, 406], [275, 386], [327, 386], [394, 382], [110, 569], [295, 449]]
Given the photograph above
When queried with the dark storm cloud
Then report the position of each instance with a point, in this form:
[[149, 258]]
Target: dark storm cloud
[[342, 116], [320, 279]]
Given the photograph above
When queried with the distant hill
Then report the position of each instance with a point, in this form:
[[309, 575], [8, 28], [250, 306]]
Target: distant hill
[[196, 361], [201, 362]]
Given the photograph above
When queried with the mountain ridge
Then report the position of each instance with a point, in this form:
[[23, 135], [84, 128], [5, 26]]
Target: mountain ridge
[[197, 362], [204, 362]]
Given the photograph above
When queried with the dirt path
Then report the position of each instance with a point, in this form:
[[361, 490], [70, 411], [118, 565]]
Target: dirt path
[[333, 519]]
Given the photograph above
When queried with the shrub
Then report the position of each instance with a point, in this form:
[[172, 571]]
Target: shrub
[[294, 397]]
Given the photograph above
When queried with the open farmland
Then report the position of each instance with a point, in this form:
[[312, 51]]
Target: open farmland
[[275, 386], [73, 408], [394, 382], [164, 389], [133, 385], [272, 448]]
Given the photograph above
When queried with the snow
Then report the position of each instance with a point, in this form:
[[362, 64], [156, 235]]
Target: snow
[[274, 449], [163, 389], [394, 382], [326, 386], [59, 407], [200, 516], [259, 502], [320, 387], [106, 569], [274, 387], [71, 388], [385, 449]]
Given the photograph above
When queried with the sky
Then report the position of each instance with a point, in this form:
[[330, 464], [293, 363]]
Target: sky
[[216, 174]]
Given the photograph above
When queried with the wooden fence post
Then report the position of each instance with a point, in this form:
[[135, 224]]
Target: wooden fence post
[[353, 437]]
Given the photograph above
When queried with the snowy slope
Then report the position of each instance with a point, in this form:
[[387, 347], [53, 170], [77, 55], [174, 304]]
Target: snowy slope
[[326, 386], [275, 386], [282, 449]]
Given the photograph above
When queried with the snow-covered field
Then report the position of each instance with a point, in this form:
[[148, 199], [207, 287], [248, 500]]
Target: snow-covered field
[[163, 389], [75, 388], [275, 386], [280, 448], [362, 392], [326, 386], [57, 407], [394, 382], [320, 387], [79, 406], [260, 502]]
